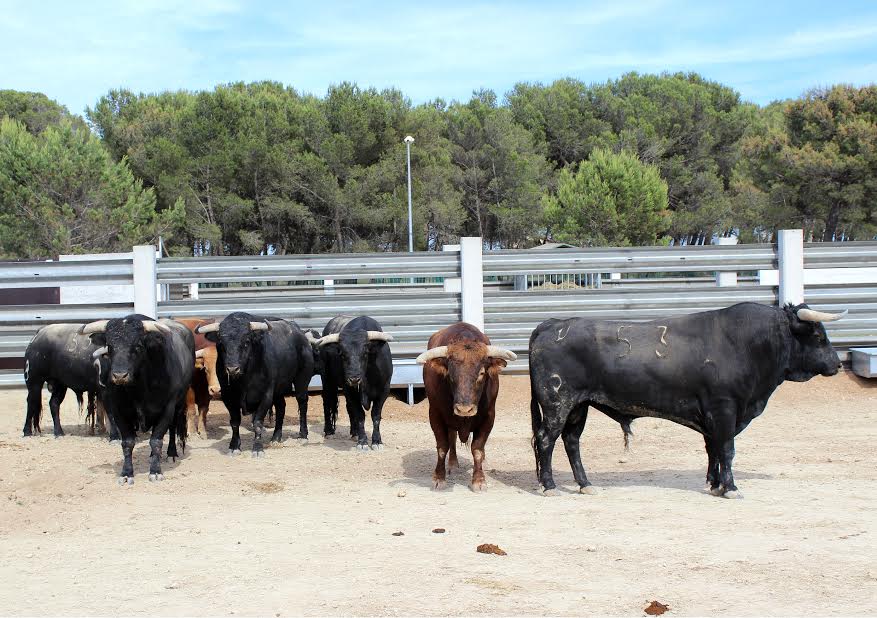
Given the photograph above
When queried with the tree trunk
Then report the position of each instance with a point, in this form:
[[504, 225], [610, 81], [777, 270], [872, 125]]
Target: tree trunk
[[831, 223]]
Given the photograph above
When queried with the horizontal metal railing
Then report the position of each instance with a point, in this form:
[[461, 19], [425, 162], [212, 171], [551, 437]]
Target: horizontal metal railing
[[309, 267], [56, 274], [631, 259], [840, 254]]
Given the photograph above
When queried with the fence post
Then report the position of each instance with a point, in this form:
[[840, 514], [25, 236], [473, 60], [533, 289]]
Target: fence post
[[790, 256], [145, 292], [472, 281], [726, 279]]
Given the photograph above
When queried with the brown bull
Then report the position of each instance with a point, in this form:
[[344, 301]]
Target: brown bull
[[461, 375], [205, 384]]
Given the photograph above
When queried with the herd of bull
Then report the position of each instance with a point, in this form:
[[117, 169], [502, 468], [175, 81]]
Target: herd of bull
[[712, 371]]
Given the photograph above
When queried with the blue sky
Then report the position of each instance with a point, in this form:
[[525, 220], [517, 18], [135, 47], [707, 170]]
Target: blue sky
[[77, 51]]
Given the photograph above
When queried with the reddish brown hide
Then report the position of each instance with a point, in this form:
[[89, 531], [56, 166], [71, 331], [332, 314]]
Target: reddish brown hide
[[462, 383], [205, 384]]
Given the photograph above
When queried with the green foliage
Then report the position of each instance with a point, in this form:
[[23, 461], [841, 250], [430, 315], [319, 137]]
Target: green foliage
[[610, 199], [61, 192], [262, 168], [812, 163]]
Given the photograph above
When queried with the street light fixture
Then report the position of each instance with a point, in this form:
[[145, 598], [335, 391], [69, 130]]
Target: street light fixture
[[408, 141]]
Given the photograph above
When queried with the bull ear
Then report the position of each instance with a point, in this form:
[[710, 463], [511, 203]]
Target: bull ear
[[212, 336], [98, 339]]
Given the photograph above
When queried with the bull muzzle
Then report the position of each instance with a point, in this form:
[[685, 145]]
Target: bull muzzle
[[233, 371], [215, 391], [465, 409], [354, 382], [121, 377]]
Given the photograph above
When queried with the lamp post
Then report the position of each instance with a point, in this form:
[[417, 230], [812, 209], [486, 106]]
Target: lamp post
[[408, 141]]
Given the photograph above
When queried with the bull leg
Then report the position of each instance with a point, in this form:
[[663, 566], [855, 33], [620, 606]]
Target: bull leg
[[127, 434], [280, 412], [721, 431], [377, 408], [156, 440], [191, 412], [713, 479], [201, 420], [479, 440], [543, 442], [440, 430], [300, 384], [572, 434], [453, 462], [357, 418], [59, 391], [726, 456], [330, 409], [34, 407], [115, 434], [259, 415]]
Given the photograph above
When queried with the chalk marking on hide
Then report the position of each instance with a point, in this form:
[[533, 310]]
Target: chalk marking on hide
[[663, 341], [561, 334], [620, 339], [559, 382]]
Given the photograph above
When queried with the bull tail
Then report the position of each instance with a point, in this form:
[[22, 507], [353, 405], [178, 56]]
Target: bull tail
[[182, 427], [536, 422], [79, 402]]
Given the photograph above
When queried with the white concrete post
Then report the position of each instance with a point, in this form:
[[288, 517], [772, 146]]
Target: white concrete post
[[726, 279], [145, 292], [452, 284], [193, 291], [472, 281], [790, 255], [329, 287]]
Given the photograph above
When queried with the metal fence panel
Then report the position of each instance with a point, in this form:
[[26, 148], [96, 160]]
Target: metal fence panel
[[309, 267], [56, 274]]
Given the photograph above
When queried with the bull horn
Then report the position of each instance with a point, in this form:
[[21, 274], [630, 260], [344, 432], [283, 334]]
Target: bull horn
[[494, 351], [310, 337], [199, 353], [333, 338], [207, 328], [100, 352], [259, 326], [376, 335], [436, 352], [95, 327], [809, 315], [155, 327]]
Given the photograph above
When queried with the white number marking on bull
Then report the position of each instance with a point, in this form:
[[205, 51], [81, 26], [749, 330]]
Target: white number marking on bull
[[622, 339], [663, 341], [561, 334], [559, 382]]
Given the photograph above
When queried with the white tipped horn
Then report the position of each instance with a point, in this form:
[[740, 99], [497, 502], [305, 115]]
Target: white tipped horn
[[199, 353], [437, 352], [333, 338], [100, 352], [155, 327], [259, 326], [95, 327], [809, 315], [310, 337], [207, 328], [494, 351], [376, 335]]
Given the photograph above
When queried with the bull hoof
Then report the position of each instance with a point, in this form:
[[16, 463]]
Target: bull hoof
[[258, 454], [156, 477], [362, 448], [717, 491], [550, 492], [589, 490], [439, 484], [478, 486], [234, 452], [126, 480], [732, 495], [377, 447], [60, 433]]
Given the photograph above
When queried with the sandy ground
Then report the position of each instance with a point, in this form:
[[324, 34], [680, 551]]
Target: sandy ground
[[309, 529]]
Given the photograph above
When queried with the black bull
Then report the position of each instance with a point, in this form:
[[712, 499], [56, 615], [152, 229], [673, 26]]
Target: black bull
[[712, 371]]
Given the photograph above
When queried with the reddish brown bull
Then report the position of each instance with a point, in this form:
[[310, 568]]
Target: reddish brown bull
[[461, 375], [205, 384]]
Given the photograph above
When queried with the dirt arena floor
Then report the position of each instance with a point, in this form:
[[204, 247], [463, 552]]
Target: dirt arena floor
[[310, 528]]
